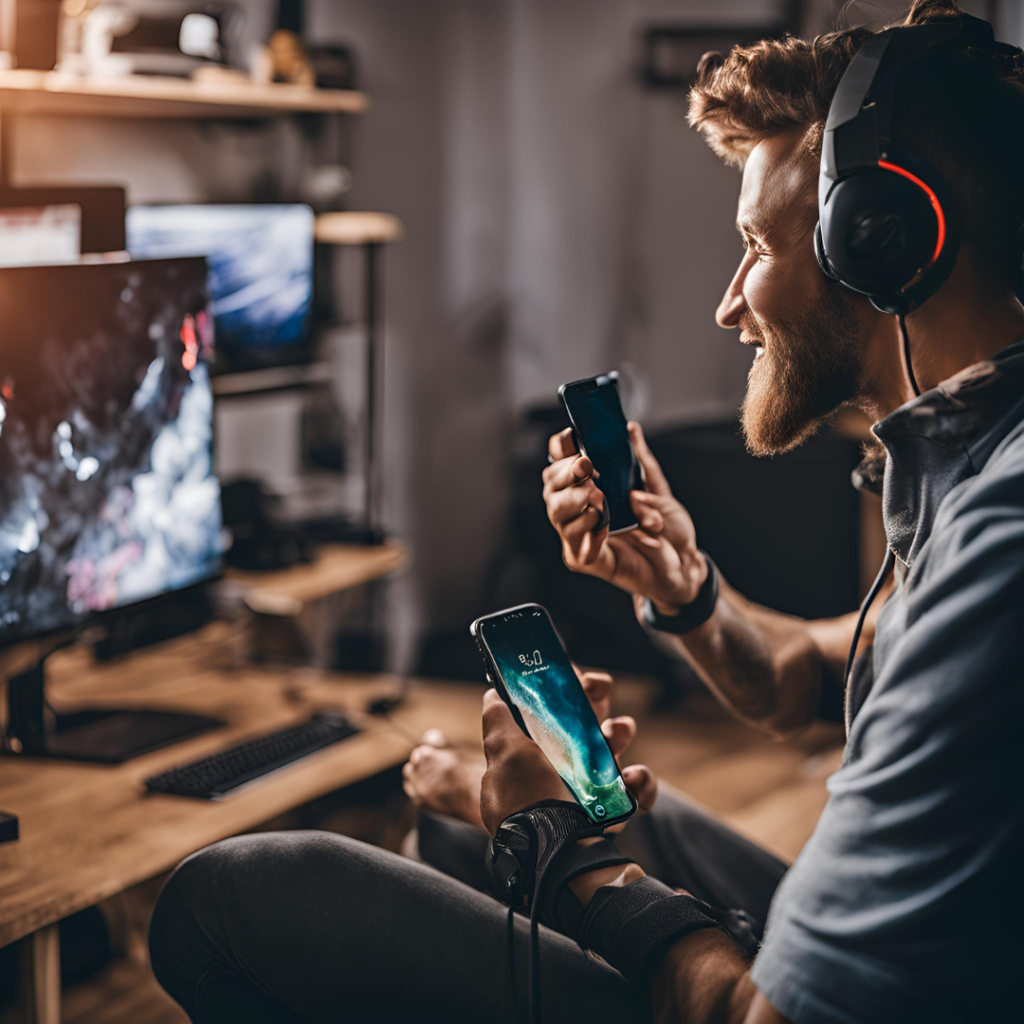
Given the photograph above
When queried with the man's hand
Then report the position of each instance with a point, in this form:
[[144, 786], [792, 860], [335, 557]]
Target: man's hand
[[518, 774], [444, 778], [658, 560], [448, 779]]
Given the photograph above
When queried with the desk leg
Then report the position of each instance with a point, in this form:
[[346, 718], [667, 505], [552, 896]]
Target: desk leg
[[41, 976]]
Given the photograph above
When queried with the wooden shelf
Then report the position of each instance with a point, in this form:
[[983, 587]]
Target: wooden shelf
[[52, 93], [275, 378], [357, 228], [337, 567]]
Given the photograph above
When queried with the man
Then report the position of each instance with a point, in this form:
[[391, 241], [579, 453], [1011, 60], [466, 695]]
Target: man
[[903, 906]]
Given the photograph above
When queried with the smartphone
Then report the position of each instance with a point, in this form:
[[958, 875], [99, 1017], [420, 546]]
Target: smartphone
[[530, 669], [595, 412]]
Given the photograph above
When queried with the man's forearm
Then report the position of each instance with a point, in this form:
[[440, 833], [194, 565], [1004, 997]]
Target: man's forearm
[[703, 979], [763, 665]]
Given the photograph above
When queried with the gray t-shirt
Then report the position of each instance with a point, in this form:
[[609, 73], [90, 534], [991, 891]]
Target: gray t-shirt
[[906, 903]]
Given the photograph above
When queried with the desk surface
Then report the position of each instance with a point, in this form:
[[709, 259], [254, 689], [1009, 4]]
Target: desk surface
[[89, 832]]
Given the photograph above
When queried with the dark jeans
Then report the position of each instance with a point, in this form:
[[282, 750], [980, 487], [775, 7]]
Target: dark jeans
[[298, 926]]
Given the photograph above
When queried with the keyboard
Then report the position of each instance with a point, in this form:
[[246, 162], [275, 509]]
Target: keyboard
[[212, 777]]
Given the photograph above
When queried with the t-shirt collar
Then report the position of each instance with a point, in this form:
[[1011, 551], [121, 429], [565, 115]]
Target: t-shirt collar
[[940, 438]]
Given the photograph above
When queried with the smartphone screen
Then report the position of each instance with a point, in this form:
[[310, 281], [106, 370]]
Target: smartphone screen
[[539, 681], [595, 412]]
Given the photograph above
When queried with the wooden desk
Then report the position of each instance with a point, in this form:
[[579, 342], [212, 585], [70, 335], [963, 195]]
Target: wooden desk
[[89, 832]]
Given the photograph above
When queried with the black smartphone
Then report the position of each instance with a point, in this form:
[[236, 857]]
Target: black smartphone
[[530, 669], [595, 412]]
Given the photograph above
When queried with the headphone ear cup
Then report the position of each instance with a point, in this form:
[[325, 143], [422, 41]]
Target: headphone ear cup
[[879, 230], [879, 237], [819, 252]]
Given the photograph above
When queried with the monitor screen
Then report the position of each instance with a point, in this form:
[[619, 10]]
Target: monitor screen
[[107, 491], [261, 269], [102, 210]]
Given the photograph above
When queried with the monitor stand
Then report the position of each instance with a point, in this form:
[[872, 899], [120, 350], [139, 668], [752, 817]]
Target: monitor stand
[[104, 735]]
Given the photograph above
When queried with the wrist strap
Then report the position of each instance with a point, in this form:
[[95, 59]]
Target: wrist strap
[[527, 842], [541, 844], [561, 908], [630, 925], [691, 615]]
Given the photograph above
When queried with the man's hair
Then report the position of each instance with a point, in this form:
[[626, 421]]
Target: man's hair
[[963, 112]]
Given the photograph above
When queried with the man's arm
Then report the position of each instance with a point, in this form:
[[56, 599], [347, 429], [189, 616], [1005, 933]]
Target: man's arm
[[765, 666], [704, 978]]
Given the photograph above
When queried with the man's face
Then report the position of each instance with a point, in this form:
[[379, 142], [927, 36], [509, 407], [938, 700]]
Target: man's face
[[807, 333]]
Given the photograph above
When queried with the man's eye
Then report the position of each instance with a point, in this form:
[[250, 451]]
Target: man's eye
[[749, 246]]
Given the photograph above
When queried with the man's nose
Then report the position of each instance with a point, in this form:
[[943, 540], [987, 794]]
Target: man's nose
[[732, 306]]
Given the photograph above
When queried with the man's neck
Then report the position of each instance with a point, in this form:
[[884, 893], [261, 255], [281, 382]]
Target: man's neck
[[956, 328]]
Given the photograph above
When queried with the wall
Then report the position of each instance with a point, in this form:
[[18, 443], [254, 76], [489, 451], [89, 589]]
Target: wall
[[551, 205], [622, 240], [431, 150]]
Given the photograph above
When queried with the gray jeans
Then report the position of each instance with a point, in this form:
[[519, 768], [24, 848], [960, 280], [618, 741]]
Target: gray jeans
[[311, 926]]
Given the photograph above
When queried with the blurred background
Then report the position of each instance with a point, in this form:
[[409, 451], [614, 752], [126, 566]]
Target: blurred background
[[560, 220]]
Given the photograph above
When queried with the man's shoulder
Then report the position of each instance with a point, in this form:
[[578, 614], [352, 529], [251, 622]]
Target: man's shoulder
[[985, 513]]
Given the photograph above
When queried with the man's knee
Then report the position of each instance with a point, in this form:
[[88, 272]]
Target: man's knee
[[181, 945], [222, 894]]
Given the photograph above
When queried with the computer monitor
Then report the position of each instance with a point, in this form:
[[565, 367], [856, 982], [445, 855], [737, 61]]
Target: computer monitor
[[261, 272], [102, 206], [107, 491]]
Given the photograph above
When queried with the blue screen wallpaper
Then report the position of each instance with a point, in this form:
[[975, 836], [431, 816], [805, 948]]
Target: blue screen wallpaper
[[260, 259], [544, 687], [596, 413]]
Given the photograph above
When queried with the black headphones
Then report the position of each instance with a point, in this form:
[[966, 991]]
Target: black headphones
[[887, 226]]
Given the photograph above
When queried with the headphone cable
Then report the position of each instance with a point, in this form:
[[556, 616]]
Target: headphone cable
[[908, 365], [869, 600]]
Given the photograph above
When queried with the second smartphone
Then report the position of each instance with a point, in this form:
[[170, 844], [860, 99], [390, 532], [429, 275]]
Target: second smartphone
[[595, 412], [531, 670]]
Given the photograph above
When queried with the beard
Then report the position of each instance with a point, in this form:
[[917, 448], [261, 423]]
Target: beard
[[809, 367]]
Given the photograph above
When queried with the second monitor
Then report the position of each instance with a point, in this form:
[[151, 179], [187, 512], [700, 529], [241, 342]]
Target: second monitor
[[260, 272]]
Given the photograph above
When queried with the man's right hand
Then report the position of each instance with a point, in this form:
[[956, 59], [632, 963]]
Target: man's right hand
[[658, 560]]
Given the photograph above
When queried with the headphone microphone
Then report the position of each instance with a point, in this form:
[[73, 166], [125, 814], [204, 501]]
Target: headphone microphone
[[888, 227]]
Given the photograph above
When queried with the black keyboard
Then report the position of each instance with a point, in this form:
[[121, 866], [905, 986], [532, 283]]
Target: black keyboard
[[212, 777]]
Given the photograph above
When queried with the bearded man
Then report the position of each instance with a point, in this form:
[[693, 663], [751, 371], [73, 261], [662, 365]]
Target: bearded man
[[903, 905]]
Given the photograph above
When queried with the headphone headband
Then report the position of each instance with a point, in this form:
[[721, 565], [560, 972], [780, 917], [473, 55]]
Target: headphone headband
[[860, 119]]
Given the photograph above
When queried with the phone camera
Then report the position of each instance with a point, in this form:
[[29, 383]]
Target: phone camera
[[599, 811]]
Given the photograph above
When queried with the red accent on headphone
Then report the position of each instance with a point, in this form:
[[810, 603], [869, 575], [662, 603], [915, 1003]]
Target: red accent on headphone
[[932, 198]]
